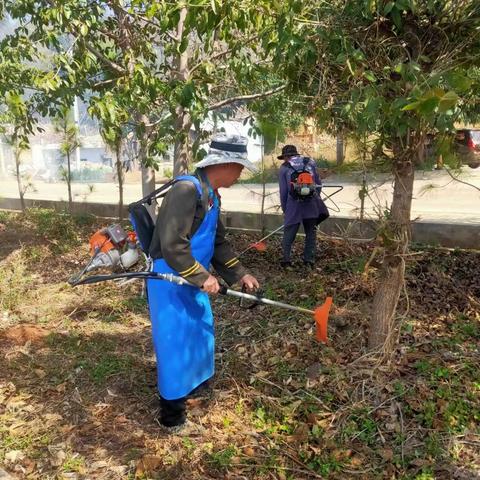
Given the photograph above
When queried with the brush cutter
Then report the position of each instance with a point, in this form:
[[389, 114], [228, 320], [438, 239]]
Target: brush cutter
[[111, 247], [320, 314], [261, 246]]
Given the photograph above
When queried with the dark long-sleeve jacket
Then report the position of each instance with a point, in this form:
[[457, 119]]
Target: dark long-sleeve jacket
[[179, 217], [294, 210]]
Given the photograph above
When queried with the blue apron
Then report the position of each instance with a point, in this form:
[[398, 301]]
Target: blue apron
[[182, 320]]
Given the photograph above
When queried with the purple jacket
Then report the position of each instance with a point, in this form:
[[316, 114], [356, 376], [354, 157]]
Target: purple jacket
[[295, 211]]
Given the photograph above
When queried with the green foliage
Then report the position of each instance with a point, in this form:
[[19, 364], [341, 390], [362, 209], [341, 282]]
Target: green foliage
[[390, 81], [222, 459], [60, 229], [140, 77]]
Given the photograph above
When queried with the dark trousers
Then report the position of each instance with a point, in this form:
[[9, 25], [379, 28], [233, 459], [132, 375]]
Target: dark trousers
[[174, 412], [289, 234]]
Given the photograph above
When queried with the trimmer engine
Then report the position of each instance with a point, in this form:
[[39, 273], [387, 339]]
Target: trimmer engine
[[111, 247]]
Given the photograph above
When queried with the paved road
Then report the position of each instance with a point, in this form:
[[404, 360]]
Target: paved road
[[436, 196]]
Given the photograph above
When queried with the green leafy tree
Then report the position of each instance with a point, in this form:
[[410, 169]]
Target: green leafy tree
[[113, 131], [168, 64], [64, 124], [392, 71], [17, 125]]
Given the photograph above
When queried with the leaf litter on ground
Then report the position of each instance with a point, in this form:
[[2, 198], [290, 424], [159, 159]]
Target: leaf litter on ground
[[78, 400]]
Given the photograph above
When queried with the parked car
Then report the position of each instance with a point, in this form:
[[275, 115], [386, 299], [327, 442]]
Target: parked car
[[467, 147], [465, 144]]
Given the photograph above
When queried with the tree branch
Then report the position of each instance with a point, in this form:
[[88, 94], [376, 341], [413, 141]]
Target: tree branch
[[104, 59], [245, 98], [218, 55], [460, 181]]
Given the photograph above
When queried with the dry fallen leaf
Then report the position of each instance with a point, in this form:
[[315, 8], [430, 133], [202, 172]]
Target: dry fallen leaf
[[61, 387], [386, 454], [147, 464], [249, 451]]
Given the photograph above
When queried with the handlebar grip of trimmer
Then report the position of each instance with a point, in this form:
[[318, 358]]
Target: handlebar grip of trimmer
[[223, 290]]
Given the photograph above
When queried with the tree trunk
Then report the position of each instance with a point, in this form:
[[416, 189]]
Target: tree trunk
[[118, 164], [148, 173], [182, 150], [263, 196], [397, 237], [182, 122], [19, 179], [340, 149], [69, 183]]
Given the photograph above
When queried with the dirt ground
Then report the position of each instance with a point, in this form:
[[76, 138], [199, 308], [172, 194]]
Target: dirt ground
[[77, 373]]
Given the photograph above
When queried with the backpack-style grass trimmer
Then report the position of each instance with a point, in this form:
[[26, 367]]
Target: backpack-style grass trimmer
[[144, 226]]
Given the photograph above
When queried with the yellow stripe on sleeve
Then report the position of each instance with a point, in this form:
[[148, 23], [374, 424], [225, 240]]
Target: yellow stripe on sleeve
[[189, 270]]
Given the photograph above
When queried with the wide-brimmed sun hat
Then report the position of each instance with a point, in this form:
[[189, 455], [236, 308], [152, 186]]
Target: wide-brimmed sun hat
[[227, 149], [288, 151]]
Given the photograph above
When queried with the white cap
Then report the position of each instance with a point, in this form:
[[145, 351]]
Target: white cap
[[227, 149]]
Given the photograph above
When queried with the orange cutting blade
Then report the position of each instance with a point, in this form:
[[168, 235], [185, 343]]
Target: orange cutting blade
[[321, 320], [259, 246]]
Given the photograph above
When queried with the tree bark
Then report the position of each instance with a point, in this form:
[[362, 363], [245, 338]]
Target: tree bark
[[182, 122], [19, 179], [396, 240], [148, 173], [182, 150], [264, 184], [340, 149], [69, 183], [118, 164]]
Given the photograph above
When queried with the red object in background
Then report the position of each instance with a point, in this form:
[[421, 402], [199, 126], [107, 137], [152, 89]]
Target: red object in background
[[131, 237], [305, 178], [321, 320], [259, 246], [471, 144]]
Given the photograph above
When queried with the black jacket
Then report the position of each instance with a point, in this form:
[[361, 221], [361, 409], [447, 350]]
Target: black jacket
[[179, 217]]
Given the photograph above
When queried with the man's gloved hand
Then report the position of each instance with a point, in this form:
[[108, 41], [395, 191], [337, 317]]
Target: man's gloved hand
[[211, 285], [250, 282]]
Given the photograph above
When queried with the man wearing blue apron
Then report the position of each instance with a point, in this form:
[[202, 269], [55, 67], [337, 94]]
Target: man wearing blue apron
[[188, 238]]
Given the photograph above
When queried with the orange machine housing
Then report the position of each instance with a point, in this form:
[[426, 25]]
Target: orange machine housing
[[100, 241]]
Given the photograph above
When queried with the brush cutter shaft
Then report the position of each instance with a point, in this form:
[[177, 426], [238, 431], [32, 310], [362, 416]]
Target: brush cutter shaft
[[261, 240], [266, 301], [180, 281]]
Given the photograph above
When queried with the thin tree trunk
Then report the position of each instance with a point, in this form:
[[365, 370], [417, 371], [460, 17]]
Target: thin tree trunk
[[182, 122], [182, 150], [392, 274], [69, 183], [363, 194], [148, 173], [263, 196], [118, 164], [340, 149], [19, 179]]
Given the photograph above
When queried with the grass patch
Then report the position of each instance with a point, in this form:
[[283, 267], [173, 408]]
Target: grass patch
[[14, 282], [73, 463], [222, 459], [107, 366]]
